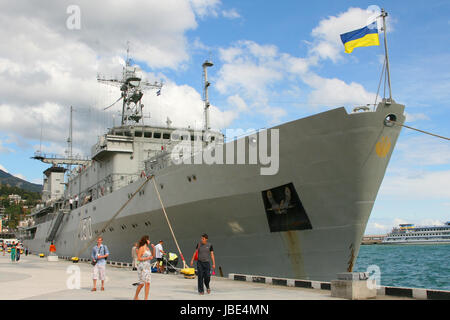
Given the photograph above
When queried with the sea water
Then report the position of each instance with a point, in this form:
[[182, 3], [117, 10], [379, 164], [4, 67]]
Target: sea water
[[412, 266]]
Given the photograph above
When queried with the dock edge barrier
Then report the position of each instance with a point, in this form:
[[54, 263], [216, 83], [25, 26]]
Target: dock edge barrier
[[415, 293], [112, 263]]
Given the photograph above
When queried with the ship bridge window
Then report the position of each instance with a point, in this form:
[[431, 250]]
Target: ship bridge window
[[119, 133], [175, 137], [166, 135], [157, 135], [138, 133], [127, 133], [192, 138], [147, 134]]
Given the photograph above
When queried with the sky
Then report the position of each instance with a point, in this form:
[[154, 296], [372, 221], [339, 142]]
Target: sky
[[274, 62]]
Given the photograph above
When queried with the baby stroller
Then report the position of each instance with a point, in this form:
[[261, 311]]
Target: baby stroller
[[171, 261]]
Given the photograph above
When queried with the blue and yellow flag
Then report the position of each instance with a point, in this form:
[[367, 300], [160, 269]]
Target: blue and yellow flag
[[364, 37]]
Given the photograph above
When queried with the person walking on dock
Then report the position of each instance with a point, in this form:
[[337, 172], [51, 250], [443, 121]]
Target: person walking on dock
[[52, 249], [204, 251], [134, 256], [99, 255], [13, 252], [159, 251], [144, 256], [18, 248]]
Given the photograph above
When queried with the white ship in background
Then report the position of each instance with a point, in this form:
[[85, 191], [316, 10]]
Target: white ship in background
[[305, 222], [411, 234]]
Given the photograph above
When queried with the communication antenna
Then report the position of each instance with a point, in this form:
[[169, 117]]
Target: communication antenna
[[40, 140], [206, 64], [70, 140]]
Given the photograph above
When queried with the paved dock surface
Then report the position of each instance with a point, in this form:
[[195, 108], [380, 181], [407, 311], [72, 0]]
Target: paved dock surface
[[36, 278]]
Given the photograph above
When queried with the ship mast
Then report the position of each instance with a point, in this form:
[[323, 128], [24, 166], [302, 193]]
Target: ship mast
[[206, 65], [67, 159], [384, 14]]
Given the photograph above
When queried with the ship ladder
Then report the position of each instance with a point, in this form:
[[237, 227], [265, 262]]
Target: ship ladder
[[56, 225]]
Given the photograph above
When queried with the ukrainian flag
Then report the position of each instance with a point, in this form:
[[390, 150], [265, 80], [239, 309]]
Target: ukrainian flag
[[364, 37]]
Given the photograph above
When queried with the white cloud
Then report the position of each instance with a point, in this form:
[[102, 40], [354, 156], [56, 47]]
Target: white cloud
[[398, 221], [430, 222], [45, 67], [155, 29], [238, 102], [4, 149], [332, 92], [184, 106], [231, 14], [422, 185], [412, 117], [205, 8], [419, 151]]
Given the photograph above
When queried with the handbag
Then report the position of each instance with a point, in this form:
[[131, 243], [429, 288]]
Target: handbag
[[196, 253]]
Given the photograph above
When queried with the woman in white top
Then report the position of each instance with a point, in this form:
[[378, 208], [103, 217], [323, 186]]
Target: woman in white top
[[144, 256]]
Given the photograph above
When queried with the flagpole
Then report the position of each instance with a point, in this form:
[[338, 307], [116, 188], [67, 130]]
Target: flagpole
[[384, 14]]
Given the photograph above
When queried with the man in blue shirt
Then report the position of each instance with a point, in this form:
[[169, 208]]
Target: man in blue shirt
[[99, 254]]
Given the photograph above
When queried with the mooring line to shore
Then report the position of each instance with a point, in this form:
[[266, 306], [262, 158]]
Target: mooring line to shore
[[425, 132], [168, 222]]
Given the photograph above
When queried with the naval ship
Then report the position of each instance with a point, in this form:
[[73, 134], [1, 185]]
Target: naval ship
[[300, 215]]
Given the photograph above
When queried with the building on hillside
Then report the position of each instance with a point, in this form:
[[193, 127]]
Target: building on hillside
[[14, 199], [2, 218]]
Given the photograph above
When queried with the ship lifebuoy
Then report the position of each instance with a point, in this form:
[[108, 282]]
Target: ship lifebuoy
[[143, 175]]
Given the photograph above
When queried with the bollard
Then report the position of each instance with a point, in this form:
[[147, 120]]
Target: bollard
[[354, 286]]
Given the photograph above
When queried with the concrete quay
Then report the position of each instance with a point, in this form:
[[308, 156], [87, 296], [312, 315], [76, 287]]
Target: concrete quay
[[35, 278]]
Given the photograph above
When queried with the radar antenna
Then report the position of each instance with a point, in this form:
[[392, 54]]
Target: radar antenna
[[132, 89]]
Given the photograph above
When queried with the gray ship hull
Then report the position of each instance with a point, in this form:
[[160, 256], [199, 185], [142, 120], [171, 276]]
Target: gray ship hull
[[333, 162]]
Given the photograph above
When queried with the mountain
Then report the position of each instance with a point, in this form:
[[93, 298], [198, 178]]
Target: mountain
[[8, 179]]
